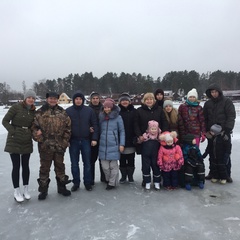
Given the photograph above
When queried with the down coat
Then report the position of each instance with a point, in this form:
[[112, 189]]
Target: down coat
[[18, 121], [112, 135]]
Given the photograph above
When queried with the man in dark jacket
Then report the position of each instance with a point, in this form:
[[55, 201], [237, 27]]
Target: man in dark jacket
[[82, 119], [219, 110], [96, 105]]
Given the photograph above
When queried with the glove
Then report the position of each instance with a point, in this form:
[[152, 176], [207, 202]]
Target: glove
[[203, 137]]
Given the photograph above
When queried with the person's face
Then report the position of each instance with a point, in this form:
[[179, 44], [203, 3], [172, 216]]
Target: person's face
[[149, 102], [153, 130], [194, 141], [169, 142], [30, 101], [125, 103], [78, 101], [192, 99], [159, 96], [168, 108], [52, 101], [107, 110], [95, 100], [214, 93]]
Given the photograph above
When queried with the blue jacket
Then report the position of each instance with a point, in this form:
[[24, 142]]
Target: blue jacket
[[82, 118], [112, 135]]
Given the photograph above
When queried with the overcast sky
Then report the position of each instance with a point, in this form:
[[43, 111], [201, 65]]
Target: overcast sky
[[47, 39]]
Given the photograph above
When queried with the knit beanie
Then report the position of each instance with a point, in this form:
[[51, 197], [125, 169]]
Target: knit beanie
[[167, 103], [159, 90], [78, 94], [192, 93], [94, 94], [109, 102], [216, 129], [153, 123], [52, 94], [188, 139], [29, 93], [124, 96], [148, 95]]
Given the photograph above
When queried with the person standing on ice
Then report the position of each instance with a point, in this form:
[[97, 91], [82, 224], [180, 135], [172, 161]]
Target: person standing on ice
[[219, 110], [18, 121]]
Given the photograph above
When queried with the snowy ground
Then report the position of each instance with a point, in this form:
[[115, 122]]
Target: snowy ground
[[128, 212]]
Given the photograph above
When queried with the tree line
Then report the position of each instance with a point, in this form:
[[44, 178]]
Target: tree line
[[177, 81]]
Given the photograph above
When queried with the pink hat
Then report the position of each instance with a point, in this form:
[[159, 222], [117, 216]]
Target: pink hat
[[109, 102]]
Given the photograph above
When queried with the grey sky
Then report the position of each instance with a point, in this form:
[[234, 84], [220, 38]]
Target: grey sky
[[52, 38]]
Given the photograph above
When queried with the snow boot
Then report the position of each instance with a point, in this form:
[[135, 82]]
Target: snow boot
[[61, 187], [148, 186], [157, 186], [26, 193], [123, 171], [17, 195], [43, 189], [201, 185], [130, 171], [188, 187]]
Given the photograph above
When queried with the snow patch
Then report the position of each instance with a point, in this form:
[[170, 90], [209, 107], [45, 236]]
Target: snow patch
[[232, 219], [132, 231]]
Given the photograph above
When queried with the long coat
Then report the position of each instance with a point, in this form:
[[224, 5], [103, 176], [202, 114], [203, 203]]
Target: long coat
[[18, 121], [112, 135]]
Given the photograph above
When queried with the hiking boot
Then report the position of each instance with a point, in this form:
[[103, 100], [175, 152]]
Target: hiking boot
[[42, 195], [109, 187]]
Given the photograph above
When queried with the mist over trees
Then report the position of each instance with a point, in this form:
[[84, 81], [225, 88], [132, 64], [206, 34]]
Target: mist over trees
[[177, 81]]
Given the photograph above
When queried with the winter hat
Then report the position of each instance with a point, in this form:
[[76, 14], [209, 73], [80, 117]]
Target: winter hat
[[29, 93], [216, 129], [93, 94], [148, 95], [167, 103], [124, 96], [52, 94], [78, 94], [159, 90], [153, 123], [193, 93], [168, 137], [109, 102], [188, 138]]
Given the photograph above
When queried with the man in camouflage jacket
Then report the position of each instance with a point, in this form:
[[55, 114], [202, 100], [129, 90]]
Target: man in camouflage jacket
[[52, 130]]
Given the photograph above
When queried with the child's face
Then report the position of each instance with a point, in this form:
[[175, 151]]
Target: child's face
[[107, 110], [192, 99], [212, 133], [194, 141], [169, 142], [153, 130], [168, 108]]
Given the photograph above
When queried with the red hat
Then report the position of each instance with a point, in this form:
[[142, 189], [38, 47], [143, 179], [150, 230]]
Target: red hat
[[109, 102]]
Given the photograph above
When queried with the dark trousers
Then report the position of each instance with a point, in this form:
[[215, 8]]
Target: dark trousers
[[170, 179], [127, 160], [191, 172], [17, 160], [149, 161]]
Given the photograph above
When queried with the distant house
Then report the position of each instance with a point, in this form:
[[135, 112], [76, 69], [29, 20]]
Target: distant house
[[234, 95], [64, 99]]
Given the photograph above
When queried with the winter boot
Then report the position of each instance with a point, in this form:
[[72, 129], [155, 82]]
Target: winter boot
[[157, 186], [17, 195], [123, 171], [188, 187], [61, 185], [26, 193], [130, 171], [201, 185], [148, 186], [209, 176], [43, 189]]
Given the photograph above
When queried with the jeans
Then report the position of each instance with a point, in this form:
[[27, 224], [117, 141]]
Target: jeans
[[76, 147]]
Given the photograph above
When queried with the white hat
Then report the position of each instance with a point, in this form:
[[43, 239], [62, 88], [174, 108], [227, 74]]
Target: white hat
[[193, 93]]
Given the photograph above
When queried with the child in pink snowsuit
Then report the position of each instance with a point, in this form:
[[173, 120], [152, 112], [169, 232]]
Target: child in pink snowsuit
[[170, 159], [152, 132]]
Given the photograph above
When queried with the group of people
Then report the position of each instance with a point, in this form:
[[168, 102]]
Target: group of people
[[167, 138]]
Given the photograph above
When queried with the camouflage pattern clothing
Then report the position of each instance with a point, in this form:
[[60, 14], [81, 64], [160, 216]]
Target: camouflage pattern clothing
[[55, 126]]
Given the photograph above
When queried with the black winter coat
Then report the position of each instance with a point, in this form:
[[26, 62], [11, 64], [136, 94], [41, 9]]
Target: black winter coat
[[128, 115]]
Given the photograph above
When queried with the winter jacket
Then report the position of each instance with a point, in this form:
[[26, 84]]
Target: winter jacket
[[55, 125], [144, 115], [170, 158], [18, 121], [82, 118], [191, 120], [128, 115], [112, 135], [219, 110], [192, 155]]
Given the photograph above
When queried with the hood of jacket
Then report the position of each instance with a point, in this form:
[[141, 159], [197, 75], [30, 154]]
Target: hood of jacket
[[213, 86]]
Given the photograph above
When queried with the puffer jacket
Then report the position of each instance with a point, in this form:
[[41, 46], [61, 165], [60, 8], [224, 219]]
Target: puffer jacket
[[191, 120], [219, 110], [170, 158], [18, 121], [112, 135], [55, 125]]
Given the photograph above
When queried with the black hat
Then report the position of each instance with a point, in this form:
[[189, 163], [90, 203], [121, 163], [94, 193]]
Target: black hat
[[124, 96], [159, 90], [78, 94], [52, 94], [94, 94], [188, 138]]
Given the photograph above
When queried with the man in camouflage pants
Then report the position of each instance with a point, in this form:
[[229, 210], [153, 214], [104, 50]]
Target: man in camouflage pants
[[52, 130]]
